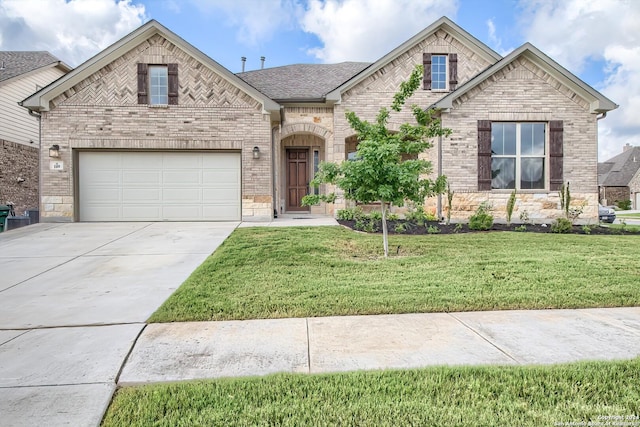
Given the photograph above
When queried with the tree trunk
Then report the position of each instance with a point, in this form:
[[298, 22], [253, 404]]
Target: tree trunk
[[385, 237]]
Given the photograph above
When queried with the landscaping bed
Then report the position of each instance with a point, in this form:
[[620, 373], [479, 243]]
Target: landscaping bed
[[435, 227]]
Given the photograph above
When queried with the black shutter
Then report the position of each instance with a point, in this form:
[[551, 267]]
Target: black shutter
[[172, 71], [453, 71], [484, 155], [426, 79], [556, 141], [142, 83]]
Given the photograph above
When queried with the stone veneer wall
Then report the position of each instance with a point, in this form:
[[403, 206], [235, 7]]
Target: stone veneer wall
[[102, 112], [18, 162]]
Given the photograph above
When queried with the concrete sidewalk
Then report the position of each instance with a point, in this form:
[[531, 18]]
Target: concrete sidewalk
[[198, 350]]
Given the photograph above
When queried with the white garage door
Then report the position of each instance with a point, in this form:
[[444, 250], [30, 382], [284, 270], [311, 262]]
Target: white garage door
[[159, 186]]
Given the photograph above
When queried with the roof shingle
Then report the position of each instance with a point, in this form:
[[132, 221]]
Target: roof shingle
[[20, 62], [302, 82], [620, 169]]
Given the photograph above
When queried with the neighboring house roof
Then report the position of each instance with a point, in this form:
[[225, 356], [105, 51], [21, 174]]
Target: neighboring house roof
[[599, 103], [302, 82], [40, 100], [443, 23], [17, 63], [619, 170]]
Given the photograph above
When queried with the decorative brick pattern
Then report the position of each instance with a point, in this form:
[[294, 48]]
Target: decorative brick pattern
[[18, 175]]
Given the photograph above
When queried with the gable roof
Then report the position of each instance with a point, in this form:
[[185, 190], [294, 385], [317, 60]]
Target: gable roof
[[17, 63], [302, 82], [599, 103], [39, 101], [443, 23], [619, 170]]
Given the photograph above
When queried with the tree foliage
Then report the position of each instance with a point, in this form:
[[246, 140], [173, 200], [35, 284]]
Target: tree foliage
[[386, 168]]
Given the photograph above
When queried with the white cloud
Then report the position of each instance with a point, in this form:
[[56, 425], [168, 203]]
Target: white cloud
[[574, 32], [255, 21], [72, 30], [364, 30]]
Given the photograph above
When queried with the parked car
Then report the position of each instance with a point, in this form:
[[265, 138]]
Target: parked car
[[606, 214]]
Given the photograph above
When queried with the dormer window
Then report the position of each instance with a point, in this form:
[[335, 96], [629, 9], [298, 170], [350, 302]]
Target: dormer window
[[440, 72]]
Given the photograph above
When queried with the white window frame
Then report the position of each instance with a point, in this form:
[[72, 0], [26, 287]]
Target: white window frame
[[161, 98], [518, 156], [446, 72]]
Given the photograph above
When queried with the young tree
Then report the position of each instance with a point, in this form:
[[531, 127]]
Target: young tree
[[379, 173]]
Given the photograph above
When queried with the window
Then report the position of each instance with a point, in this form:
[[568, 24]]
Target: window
[[438, 72], [518, 155], [158, 84]]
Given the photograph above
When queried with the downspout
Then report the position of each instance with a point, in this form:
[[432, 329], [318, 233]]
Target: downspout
[[439, 198], [273, 170], [38, 117]]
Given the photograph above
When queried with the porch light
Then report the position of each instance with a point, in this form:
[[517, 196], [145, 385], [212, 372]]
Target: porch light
[[256, 152], [54, 151]]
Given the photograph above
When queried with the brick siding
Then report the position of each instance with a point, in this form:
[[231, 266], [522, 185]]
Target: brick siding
[[18, 161]]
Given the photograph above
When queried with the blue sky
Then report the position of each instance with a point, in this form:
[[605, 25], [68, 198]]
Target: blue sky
[[598, 41]]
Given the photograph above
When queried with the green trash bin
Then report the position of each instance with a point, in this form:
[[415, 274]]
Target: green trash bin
[[4, 213]]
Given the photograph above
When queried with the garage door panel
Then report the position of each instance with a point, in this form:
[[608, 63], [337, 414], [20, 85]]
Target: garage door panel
[[181, 195], [217, 195], [137, 195], [141, 161], [221, 176], [181, 178], [102, 177], [142, 212], [159, 186], [151, 178], [101, 213], [182, 212], [224, 212], [104, 196], [186, 161]]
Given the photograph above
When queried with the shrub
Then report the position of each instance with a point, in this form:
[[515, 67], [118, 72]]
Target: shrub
[[561, 225], [432, 229], [401, 227], [350, 214], [510, 205], [624, 205], [392, 217], [481, 219], [524, 217], [375, 216], [457, 228], [521, 228], [419, 216], [586, 229]]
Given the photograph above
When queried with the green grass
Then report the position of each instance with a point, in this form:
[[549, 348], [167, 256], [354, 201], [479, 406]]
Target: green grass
[[322, 271], [629, 215], [460, 396], [626, 227]]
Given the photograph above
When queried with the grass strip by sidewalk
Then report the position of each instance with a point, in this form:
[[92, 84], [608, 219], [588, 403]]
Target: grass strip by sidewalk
[[323, 271], [460, 396]]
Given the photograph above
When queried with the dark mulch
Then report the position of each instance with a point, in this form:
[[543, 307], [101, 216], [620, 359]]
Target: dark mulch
[[430, 228]]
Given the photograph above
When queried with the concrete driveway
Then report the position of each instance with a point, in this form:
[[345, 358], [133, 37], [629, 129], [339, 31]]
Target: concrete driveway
[[73, 300]]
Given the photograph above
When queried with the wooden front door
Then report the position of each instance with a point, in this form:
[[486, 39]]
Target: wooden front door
[[297, 178]]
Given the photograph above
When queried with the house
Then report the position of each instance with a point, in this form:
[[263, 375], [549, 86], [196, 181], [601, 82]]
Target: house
[[153, 129], [619, 178], [21, 74]]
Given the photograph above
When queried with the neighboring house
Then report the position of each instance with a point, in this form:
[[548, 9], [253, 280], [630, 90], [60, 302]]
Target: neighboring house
[[619, 178], [153, 129], [21, 74]]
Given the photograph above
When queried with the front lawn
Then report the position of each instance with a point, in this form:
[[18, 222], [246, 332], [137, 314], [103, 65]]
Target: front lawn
[[322, 271], [573, 394]]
